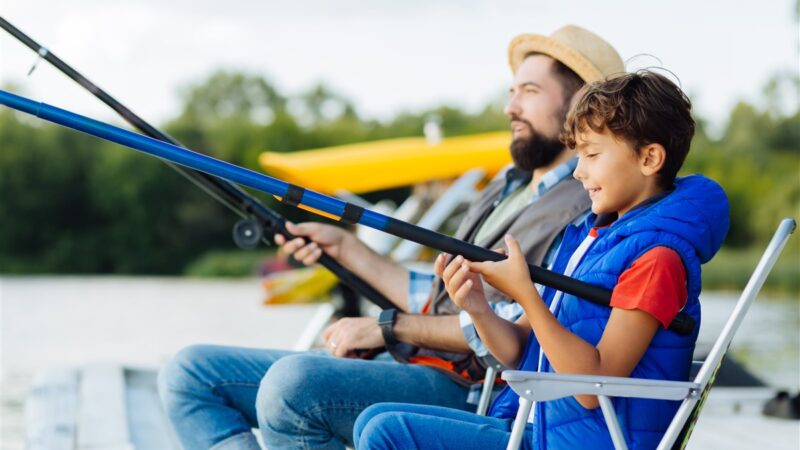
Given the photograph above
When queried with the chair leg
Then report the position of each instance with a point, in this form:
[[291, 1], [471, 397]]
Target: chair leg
[[519, 424], [611, 421], [486, 391]]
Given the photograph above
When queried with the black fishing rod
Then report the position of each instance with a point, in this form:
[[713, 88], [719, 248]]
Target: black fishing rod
[[314, 201], [256, 216]]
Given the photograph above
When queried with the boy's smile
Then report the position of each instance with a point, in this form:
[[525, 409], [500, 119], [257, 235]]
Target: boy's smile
[[616, 176]]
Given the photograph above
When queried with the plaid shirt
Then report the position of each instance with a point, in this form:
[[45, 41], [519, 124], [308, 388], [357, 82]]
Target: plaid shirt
[[420, 284]]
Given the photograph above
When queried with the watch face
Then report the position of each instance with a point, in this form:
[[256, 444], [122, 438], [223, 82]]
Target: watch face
[[387, 317]]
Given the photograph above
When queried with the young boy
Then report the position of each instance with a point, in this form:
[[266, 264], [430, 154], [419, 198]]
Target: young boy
[[646, 239]]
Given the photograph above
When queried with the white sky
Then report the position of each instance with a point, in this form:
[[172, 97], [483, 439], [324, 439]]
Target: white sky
[[384, 56]]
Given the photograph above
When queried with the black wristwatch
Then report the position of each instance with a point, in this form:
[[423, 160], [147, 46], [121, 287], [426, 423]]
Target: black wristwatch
[[386, 321]]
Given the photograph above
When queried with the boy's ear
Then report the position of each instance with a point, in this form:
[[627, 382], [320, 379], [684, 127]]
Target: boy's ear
[[652, 158]]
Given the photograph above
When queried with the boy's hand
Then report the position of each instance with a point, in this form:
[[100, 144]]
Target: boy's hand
[[509, 276], [325, 237], [463, 286]]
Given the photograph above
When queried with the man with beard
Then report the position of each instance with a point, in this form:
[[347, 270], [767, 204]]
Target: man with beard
[[214, 395]]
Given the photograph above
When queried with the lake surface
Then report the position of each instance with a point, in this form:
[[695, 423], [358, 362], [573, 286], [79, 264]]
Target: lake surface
[[57, 321]]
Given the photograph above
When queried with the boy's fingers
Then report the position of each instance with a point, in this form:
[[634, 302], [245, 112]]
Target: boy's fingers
[[438, 265], [445, 274], [463, 291], [478, 267], [458, 277], [513, 246], [451, 268]]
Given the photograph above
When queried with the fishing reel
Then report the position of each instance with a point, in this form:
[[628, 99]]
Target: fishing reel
[[247, 233]]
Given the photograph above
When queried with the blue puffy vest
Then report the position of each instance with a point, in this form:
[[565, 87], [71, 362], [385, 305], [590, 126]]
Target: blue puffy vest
[[692, 220]]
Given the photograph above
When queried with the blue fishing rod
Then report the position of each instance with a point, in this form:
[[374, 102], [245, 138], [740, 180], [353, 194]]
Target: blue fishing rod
[[256, 217], [297, 196]]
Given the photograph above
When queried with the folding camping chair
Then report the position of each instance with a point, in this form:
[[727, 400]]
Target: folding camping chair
[[541, 387]]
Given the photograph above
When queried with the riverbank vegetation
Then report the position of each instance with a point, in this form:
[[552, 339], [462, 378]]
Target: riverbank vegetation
[[74, 204]]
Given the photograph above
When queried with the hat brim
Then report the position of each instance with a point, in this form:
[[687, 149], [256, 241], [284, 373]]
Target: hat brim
[[527, 43]]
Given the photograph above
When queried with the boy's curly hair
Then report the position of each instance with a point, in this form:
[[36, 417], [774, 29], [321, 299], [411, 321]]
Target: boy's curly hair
[[641, 108]]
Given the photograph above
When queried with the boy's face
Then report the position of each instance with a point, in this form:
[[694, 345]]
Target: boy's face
[[615, 175]]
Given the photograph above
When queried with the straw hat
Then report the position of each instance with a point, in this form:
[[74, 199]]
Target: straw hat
[[586, 53]]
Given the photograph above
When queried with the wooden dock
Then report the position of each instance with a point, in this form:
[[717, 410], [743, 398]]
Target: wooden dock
[[96, 407], [108, 407]]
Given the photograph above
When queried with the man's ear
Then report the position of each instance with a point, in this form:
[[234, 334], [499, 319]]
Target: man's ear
[[652, 158], [574, 99]]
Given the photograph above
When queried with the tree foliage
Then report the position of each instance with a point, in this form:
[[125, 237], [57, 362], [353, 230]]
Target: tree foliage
[[71, 203]]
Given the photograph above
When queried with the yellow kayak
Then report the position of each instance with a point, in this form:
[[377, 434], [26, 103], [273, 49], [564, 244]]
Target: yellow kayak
[[304, 285], [373, 166]]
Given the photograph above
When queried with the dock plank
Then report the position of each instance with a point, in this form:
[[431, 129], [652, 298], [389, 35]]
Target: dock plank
[[148, 422], [51, 410], [103, 418]]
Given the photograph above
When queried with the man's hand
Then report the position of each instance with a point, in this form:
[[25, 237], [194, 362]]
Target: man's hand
[[323, 237], [346, 335]]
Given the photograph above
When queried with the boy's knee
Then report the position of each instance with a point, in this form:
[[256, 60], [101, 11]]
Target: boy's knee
[[378, 429], [366, 416]]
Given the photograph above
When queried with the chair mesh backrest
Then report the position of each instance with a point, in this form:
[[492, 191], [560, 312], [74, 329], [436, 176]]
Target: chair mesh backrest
[[688, 427], [764, 266]]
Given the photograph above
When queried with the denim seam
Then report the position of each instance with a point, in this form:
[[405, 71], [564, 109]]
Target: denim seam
[[211, 387], [299, 424], [235, 383], [231, 437]]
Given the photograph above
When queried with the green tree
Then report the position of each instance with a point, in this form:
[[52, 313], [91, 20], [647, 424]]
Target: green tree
[[71, 203]]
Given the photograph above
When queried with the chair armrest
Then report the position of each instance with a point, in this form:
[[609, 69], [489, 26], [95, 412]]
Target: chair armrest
[[537, 386]]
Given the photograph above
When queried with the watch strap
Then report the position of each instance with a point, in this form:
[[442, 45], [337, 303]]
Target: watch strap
[[386, 321]]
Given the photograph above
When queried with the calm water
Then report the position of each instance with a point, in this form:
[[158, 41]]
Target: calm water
[[768, 341], [50, 321]]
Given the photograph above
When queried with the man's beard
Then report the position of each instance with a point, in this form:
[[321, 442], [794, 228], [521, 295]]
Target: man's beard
[[535, 151]]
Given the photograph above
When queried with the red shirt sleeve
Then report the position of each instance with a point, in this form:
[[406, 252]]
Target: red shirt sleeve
[[655, 283]]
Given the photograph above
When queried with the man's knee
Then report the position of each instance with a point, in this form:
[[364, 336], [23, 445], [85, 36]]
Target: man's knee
[[179, 373], [286, 390]]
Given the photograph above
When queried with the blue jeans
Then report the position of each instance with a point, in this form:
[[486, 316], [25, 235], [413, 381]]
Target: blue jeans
[[215, 395], [406, 427]]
